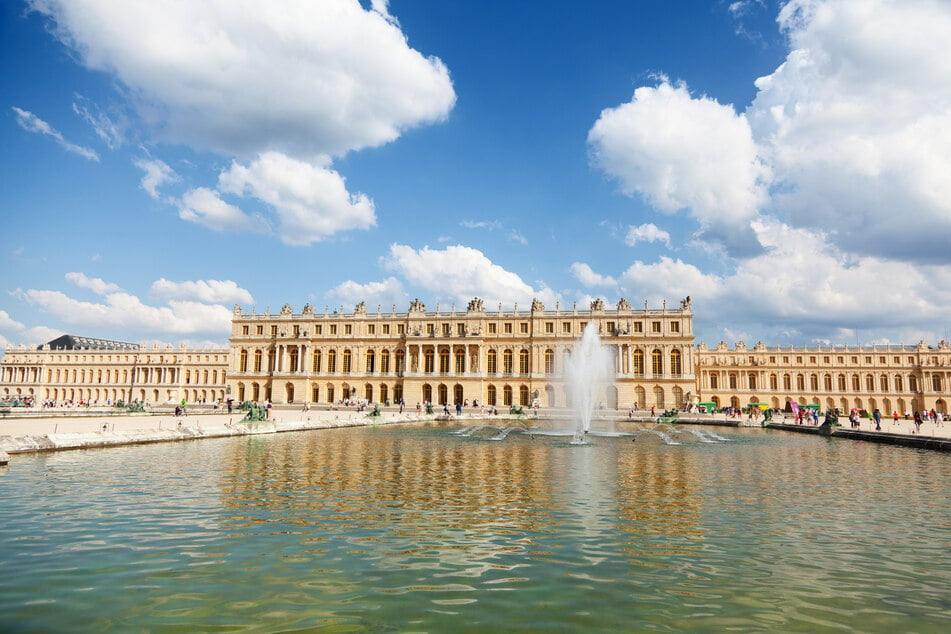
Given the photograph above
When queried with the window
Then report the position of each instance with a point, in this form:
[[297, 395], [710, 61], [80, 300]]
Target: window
[[523, 327], [333, 329], [445, 329], [566, 327], [492, 362], [676, 367], [812, 360], [549, 361], [293, 360], [400, 362], [348, 329], [787, 382], [549, 327], [800, 382], [259, 330], [638, 326], [507, 361], [913, 383], [257, 360], [460, 329], [523, 362], [675, 326], [638, 363], [273, 331], [773, 382], [714, 382], [752, 381], [244, 329], [242, 364], [855, 382], [296, 330], [385, 362], [827, 382], [869, 383], [371, 329], [346, 361], [332, 361], [315, 361], [883, 382], [841, 382], [370, 360], [444, 361], [899, 385], [401, 329], [460, 362], [429, 361], [610, 327], [492, 329], [657, 362], [430, 329], [732, 381], [507, 328], [655, 326], [935, 382], [386, 329], [318, 329]]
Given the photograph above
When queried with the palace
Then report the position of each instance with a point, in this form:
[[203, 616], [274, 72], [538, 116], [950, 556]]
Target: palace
[[497, 358]]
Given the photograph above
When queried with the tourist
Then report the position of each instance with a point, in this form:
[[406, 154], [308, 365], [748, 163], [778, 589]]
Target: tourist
[[877, 415], [917, 421]]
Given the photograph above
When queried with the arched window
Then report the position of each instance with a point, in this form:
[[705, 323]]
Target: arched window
[[549, 361], [883, 382], [714, 381], [400, 362], [429, 361], [490, 395], [507, 396], [827, 382], [347, 355], [676, 365], [331, 363], [773, 382], [787, 382], [800, 382], [444, 362], [638, 363], [385, 362], [855, 383], [814, 382], [315, 362], [523, 364], [841, 380], [460, 362], [523, 395], [243, 362], [936, 382], [869, 383], [657, 363], [271, 359], [370, 362], [507, 365], [492, 362], [659, 396], [899, 386], [752, 380]]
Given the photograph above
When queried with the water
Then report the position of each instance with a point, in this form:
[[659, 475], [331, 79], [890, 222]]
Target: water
[[397, 529], [589, 370]]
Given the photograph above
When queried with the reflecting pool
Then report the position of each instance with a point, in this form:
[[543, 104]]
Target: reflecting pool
[[417, 529]]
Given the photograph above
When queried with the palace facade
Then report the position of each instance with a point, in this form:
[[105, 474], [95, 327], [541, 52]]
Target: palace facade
[[497, 358]]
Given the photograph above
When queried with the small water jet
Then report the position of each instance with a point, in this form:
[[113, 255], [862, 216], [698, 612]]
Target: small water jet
[[589, 369]]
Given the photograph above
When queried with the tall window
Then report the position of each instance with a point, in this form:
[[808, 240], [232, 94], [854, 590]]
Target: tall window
[[492, 362], [883, 381], [814, 382], [460, 362], [800, 382], [841, 382], [752, 381], [257, 360], [243, 363], [657, 362], [773, 382], [787, 382], [549, 361], [271, 358], [370, 361], [346, 361], [444, 360], [429, 362], [638, 363], [293, 359], [507, 363], [676, 366], [827, 381], [935, 382], [523, 362], [385, 362], [400, 362], [315, 362], [714, 381], [332, 361]]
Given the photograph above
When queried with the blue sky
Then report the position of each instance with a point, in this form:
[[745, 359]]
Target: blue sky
[[783, 163]]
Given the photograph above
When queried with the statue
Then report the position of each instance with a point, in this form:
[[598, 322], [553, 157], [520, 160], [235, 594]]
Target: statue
[[360, 309], [537, 306], [597, 305], [476, 305], [286, 310], [417, 306]]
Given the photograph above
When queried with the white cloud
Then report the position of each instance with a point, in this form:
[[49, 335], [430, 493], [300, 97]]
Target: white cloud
[[208, 291], [127, 312], [205, 207], [242, 76], [386, 294], [456, 274], [646, 233], [95, 284], [31, 123], [680, 152], [586, 275], [311, 202], [108, 128], [856, 124], [490, 225], [157, 174], [515, 236], [8, 323]]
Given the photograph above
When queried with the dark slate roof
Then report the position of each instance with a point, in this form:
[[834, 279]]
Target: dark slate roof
[[75, 342]]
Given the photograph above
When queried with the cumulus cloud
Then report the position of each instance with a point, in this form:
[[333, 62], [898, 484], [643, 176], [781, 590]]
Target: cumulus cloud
[[586, 275], [31, 123], [205, 207], [123, 311], [95, 284], [386, 294], [456, 274], [646, 233], [8, 323], [311, 201], [856, 124], [680, 152], [242, 76], [208, 291], [157, 174]]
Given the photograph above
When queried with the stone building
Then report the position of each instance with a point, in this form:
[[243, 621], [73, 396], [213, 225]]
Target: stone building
[[498, 358], [890, 378], [98, 371], [495, 357]]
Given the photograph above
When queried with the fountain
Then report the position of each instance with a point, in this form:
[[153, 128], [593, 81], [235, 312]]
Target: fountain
[[589, 369]]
